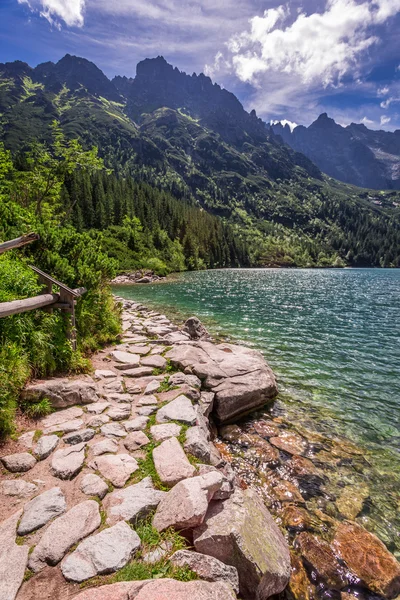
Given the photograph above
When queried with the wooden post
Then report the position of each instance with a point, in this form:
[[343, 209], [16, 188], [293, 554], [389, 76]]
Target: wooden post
[[18, 242]]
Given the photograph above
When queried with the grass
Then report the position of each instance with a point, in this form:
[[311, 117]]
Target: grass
[[37, 410], [37, 435], [147, 469]]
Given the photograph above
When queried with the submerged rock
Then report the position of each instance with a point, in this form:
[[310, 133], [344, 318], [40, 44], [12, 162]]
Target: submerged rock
[[351, 500], [241, 532], [368, 558], [322, 559]]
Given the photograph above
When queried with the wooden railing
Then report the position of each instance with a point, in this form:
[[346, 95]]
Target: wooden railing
[[64, 299]]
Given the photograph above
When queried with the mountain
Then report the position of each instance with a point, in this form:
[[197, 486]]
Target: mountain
[[186, 135], [352, 154]]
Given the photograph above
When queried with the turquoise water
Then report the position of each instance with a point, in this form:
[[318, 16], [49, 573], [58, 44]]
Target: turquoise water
[[331, 336]]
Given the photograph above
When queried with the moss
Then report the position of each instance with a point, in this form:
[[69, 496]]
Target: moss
[[37, 435], [28, 575], [20, 540]]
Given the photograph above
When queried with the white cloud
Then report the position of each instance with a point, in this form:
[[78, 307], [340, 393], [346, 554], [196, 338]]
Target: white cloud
[[385, 120], [383, 91], [319, 47], [55, 11], [366, 121], [284, 122]]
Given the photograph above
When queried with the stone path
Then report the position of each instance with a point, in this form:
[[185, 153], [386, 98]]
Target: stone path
[[134, 439]]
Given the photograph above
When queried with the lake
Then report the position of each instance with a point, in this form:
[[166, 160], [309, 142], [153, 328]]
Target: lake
[[332, 338]]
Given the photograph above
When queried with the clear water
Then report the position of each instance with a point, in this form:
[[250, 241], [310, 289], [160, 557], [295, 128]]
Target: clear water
[[331, 336]]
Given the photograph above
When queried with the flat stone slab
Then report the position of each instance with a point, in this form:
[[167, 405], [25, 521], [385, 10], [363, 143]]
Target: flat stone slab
[[156, 361], [133, 502], [113, 430], [289, 442], [61, 416], [138, 372], [171, 463], [181, 409], [77, 437], [125, 360], [26, 439], [61, 392], [98, 421], [18, 463], [185, 506], [241, 532], [124, 398], [120, 412], [66, 427], [116, 468], [18, 488], [63, 533], [141, 350], [105, 552], [98, 407], [104, 374], [93, 485], [239, 376], [207, 567], [115, 386], [45, 446], [160, 433], [135, 440], [13, 559], [41, 510], [152, 387], [149, 400], [197, 444], [137, 424], [104, 446], [67, 463]]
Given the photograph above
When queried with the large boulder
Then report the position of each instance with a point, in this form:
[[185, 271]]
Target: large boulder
[[207, 567], [195, 328], [63, 533], [240, 378], [185, 506], [368, 558], [241, 532], [61, 392]]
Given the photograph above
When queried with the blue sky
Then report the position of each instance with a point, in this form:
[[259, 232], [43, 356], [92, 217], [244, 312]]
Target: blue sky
[[288, 61]]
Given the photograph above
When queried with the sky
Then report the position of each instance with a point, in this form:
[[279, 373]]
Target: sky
[[288, 61]]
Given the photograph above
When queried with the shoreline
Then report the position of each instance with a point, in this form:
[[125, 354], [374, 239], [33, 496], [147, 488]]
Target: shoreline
[[236, 476]]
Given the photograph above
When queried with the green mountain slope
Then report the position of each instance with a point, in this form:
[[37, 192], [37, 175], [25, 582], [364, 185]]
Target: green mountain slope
[[193, 139]]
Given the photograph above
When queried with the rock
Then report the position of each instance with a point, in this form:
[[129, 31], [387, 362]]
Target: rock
[[137, 424], [26, 439], [93, 485], [113, 430], [266, 429], [351, 501], [175, 337], [45, 446], [105, 552], [152, 387], [113, 591], [67, 463], [141, 350], [149, 400], [239, 376], [138, 372], [114, 387], [41, 510], [171, 462], [185, 379], [145, 411], [179, 590], [207, 567], [156, 361], [156, 555], [289, 442], [133, 502], [77, 437], [206, 403], [18, 488], [163, 432], [125, 360], [368, 559], [228, 475], [98, 407], [196, 330], [295, 517], [61, 392], [185, 506], [262, 560], [116, 468], [299, 585], [284, 491], [321, 558], [231, 433], [18, 463], [104, 374], [124, 398], [120, 412], [104, 446], [98, 421], [66, 427], [197, 444], [135, 440], [13, 559], [63, 533], [180, 409]]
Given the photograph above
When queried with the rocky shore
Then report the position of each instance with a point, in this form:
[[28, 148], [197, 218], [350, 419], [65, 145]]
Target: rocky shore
[[136, 277], [141, 485]]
